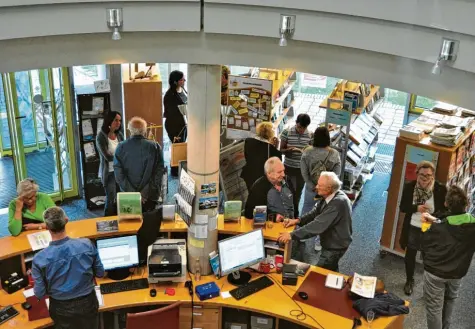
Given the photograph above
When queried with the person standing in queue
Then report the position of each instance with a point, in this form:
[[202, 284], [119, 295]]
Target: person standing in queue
[[107, 140], [175, 123]]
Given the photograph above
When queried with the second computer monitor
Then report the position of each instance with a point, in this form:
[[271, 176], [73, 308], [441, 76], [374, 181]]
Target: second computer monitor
[[238, 252], [118, 255]]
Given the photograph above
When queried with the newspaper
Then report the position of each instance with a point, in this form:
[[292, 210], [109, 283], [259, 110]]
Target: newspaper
[[365, 286], [39, 240]]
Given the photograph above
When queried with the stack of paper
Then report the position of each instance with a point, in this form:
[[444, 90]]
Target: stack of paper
[[445, 108], [453, 121], [446, 137], [467, 112], [410, 132]]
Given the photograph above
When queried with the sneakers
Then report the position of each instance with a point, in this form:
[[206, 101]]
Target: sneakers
[[409, 287]]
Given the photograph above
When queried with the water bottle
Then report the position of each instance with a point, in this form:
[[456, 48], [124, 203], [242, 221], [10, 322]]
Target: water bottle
[[197, 270]]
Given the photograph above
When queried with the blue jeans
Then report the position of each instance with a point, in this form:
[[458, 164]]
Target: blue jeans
[[111, 189], [308, 200]]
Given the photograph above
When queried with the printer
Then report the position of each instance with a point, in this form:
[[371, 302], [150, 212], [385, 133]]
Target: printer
[[166, 261]]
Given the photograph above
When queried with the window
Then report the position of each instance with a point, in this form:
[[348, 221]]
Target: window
[[315, 84], [395, 97], [424, 102], [84, 77]]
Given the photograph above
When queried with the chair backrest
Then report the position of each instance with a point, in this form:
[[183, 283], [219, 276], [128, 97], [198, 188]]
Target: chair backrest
[[164, 318]]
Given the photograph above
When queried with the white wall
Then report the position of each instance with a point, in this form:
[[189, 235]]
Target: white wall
[[453, 86]]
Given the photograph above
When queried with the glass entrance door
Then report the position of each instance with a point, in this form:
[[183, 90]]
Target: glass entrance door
[[39, 126]]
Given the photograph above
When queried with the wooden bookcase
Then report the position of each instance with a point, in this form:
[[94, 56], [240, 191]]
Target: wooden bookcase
[[452, 164], [90, 165], [370, 95]]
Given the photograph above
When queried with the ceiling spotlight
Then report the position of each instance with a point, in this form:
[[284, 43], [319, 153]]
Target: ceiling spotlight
[[448, 54], [286, 29], [114, 21]]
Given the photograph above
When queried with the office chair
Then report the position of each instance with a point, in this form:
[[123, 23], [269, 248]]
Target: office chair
[[167, 317]]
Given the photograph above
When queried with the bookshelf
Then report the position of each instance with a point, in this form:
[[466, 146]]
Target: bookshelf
[[454, 166], [366, 95], [90, 123]]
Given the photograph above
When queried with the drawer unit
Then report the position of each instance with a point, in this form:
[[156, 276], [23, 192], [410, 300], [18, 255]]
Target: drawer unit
[[203, 317]]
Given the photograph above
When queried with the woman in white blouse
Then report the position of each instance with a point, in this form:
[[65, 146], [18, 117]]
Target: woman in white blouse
[[107, 140]]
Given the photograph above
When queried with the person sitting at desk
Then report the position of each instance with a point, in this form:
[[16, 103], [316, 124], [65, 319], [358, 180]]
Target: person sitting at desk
[[26, 211], [273, 190], [65, 272], [330, 218]]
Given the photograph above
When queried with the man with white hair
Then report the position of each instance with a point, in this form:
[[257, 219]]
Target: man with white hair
[[65, 271], [138, 164], [330, 218], [273, 190]]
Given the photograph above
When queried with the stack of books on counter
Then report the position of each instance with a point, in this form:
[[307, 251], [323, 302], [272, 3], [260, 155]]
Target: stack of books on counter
[[447, 137], [411, 132], [453, 122], [467, 112], [444, 108], [425, 123]]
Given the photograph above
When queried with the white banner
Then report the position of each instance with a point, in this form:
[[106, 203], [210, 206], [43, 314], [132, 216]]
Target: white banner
[[312, 80]]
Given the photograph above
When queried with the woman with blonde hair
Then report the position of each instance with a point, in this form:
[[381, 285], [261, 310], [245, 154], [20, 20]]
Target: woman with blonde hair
[[423, 195], [26, 211], [256, 152]]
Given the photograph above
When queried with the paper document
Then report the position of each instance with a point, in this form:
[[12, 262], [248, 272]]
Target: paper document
[[98, 104], [365, 286], [87, 128], [334, 281], [28, 292], [39, 240], [99, 295], [89, 150]]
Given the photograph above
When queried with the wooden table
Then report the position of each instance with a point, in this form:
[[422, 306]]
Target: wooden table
[[274, 301]]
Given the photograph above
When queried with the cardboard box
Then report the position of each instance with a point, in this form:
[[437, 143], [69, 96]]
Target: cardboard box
[[261, 322]]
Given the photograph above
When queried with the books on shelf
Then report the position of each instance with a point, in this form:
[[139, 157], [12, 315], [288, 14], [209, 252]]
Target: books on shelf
[[411, 132]]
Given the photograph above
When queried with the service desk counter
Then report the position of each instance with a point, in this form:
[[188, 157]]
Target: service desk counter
[[274, 301]]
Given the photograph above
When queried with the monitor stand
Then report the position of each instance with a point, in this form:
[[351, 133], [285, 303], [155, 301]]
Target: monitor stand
[[239, 278], [119, 274]]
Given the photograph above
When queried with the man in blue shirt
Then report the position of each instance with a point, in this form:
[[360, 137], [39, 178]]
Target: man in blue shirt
[[138, 164], [65, 271]]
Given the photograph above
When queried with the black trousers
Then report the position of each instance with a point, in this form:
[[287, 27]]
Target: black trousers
[[78, 313], [413, 245]]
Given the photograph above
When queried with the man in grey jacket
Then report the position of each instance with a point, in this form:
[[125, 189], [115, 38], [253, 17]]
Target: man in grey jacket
[[330, 218], [138, 164]]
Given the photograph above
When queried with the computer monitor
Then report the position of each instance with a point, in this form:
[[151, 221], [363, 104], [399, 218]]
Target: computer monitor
[[118, 255], [238, 252]]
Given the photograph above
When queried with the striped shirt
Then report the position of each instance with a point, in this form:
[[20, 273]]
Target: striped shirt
[[294, 139]]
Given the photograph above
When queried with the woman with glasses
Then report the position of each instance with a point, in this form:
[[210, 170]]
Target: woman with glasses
[[25, 213], [424, 195]]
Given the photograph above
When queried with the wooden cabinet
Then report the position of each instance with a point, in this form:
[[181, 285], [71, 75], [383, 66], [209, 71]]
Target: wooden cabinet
[[144, 99], [203, 317]]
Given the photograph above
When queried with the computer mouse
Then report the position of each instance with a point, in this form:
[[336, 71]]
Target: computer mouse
[[26, 305], [153, 292], [303, 295]]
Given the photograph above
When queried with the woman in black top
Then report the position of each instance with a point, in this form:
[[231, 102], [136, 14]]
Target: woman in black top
[[256, 152], [424, 195], [176, 95]]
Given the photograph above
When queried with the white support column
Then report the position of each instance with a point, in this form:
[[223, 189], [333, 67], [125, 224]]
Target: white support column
[[204, 87]]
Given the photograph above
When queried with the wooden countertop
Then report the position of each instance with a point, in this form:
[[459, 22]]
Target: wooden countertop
[[16, 245], [275, 301]]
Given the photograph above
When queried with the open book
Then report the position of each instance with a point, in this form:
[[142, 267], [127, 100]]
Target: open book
[[365, 286]]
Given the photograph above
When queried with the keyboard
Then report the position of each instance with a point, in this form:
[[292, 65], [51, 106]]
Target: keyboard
[[7, 313], [119, 286], [251, 287]]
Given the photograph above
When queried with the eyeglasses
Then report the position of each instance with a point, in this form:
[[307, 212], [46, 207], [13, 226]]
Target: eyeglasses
[[426, 176]]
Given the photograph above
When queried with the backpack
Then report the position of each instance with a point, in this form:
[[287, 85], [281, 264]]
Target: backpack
[[320, 166]]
